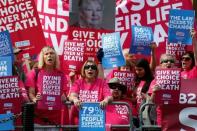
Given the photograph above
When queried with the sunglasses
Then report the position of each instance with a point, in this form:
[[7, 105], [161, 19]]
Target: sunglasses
[[116, 87], [93, 67], [166, 61], [185, 58]]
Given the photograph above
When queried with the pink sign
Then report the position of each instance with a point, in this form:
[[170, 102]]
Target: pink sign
[[20, 18], [169, 80], [73, 55], [10, 98], [182, 116], [125, 77], [91, 37], [51, 92]]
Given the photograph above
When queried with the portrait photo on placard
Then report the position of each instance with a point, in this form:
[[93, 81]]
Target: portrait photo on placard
[[92, 14]]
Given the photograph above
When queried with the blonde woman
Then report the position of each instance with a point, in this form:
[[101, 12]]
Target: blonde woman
[[47, 76], [89, 89]]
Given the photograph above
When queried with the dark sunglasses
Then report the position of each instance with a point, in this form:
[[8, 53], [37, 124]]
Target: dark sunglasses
[[185, 58], [93, 67], [116, 87], [166, 61]]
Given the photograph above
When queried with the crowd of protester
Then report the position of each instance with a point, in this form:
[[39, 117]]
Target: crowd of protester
[[77, 88]]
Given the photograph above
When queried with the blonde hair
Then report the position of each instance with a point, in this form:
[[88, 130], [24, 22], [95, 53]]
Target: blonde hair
[[83, 70], [125, 52], [41, 62], [166, 55], [127, 63], [81, 2]]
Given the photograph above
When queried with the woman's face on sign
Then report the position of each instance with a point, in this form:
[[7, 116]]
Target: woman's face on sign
[[92, 12]]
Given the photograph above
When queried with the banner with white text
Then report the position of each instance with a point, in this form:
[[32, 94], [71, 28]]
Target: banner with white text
[[10, 98], [182, 117], [141, 39], [149, 13], [73, 56], [51, 92], [169, 81], [5, 66], [91, 117], [6, 44], [180, 24], [113, 56], [21, 19]]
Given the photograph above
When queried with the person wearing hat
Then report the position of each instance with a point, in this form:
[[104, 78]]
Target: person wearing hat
[[118, 114], [118, 90]]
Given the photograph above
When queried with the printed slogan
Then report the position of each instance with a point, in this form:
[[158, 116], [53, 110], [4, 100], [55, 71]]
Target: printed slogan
[[16, 15]]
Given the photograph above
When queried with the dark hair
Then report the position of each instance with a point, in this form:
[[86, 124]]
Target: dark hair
[[148, 76], [191, 55]]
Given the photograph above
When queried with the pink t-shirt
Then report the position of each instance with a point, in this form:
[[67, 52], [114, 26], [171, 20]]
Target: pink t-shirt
[[189, 74], [138, 94], [94, 92], [52, 115], [159, 111], [118, 114]]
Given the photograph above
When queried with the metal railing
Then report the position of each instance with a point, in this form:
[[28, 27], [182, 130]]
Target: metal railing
[[147, 127], [129, 126]]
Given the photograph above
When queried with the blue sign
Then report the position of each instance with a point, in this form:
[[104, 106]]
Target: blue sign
[[113, 56], [180, 24], [6, 44], [7, 125], [141, 39], [91, 117], [5, 66]]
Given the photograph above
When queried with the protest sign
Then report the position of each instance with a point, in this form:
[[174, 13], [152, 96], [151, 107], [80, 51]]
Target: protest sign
[[180, 24], [9, 94], [169, 81], [147, 13], [51, 92], [126, 77], [5, 66], [141, 39], [104, 17], [176, 49], [6, 44], [7, 125], [113, 56], [153, 14], [20, 18], [182, 116], [73, 55], [54, 16], [91, 37], [91, 117]]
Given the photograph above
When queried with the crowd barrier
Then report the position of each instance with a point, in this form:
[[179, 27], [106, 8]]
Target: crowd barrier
[[148, 124], [68, 127]]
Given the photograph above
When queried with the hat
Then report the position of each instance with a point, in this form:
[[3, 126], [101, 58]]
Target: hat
[[16, 50], [115, 83]]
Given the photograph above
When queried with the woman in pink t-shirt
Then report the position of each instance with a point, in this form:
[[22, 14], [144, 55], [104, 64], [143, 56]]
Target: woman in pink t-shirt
[[48, 81], [89, 88], [189, 60], [166, 61]]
